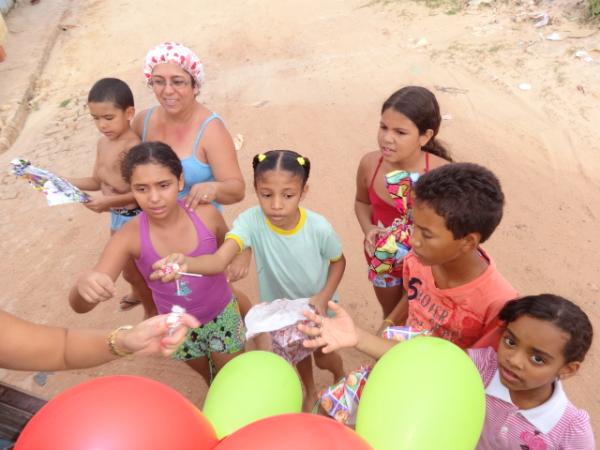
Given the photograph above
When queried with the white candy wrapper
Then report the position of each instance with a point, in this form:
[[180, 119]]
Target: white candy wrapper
[[280, 318], [174, 318]]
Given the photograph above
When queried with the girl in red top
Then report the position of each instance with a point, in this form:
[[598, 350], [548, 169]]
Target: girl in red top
[[409, 123]]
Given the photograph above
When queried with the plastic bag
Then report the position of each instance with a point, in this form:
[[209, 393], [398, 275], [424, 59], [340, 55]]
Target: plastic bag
[[280, 319]]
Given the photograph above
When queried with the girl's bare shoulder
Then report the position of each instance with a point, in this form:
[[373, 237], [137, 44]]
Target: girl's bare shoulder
[[130, 233], [367, 165], [369, 161], [209, 215]]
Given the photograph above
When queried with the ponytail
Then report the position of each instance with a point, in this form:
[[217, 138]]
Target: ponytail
[[435, 147]]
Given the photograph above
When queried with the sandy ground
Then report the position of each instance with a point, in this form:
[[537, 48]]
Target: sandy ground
[[311, 76]]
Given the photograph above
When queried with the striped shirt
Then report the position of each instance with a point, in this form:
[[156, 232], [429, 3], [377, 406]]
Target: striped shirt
[[553, 425]]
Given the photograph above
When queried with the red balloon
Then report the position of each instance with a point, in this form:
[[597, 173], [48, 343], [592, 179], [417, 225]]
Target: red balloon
[[117, 413], [294, 432]]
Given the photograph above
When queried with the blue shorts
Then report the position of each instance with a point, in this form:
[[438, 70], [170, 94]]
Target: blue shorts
[[120, 216]]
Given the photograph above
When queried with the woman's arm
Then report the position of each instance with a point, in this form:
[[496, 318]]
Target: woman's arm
[[98, 285], [229, 186], [28, 346]]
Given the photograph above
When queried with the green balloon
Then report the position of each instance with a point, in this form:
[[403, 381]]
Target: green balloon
[[250, 387], [423, 394]]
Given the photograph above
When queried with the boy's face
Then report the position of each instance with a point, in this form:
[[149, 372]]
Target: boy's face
[[110, 120], [530, 355], [433, 243]]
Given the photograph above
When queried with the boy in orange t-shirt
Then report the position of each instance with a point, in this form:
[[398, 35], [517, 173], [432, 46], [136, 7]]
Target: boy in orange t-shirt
[[452, 287]]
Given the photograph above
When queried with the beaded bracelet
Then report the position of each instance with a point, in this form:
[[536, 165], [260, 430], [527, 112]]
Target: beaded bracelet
[[391, 322], [112, 338]]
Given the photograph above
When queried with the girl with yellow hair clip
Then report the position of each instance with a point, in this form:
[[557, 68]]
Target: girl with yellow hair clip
[[298, 254]]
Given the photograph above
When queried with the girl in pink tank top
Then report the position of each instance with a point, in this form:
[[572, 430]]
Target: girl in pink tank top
[[409, 123], [165, 226]]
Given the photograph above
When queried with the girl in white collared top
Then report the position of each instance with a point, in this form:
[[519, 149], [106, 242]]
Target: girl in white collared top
[[545, 340]]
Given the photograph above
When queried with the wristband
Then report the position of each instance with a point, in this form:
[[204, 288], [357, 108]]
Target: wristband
[[112, 338]]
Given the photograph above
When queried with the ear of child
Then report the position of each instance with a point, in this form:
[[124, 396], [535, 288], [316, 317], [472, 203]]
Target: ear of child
[[569, 369]]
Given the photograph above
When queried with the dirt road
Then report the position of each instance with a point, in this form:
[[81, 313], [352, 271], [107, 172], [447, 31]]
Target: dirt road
[[311, 76]]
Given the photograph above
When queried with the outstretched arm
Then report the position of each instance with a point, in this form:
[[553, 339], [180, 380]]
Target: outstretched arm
[[340, 332], [28, 346], [98, 285], [101, 203], [204, 265]]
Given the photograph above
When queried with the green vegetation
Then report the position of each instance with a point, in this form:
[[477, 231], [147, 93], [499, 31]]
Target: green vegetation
[[450, 7]]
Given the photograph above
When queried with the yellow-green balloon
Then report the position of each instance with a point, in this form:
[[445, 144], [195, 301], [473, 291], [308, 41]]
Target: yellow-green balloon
[[423, 394], [250, 387]]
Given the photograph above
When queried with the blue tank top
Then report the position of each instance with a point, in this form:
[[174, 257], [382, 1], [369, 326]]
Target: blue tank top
[[194, 170]]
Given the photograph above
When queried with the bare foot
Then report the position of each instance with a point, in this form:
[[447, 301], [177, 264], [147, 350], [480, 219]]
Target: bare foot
[[310, 400]]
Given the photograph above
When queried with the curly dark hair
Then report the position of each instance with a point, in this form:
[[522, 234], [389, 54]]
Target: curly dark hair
[[150, 153], [466, 195], [287, 160], [559, 311]]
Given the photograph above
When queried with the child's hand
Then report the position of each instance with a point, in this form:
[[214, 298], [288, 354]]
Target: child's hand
[[238, 268], [97, 203], [319, 303], [167, 269], [96, 287], [371, 239], [330, 333]]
